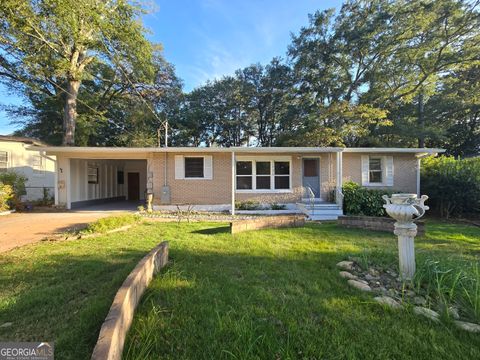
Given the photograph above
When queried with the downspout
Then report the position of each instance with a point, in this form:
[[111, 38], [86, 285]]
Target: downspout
[[233, 184], [43, 154]]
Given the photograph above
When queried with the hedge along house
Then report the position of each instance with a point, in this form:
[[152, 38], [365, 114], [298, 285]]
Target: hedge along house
[[304, 179]]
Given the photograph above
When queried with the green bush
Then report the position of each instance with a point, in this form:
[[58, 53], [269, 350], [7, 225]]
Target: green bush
[[248, 205], [6, 196], [453, 186], [17, 184], [358, 200]]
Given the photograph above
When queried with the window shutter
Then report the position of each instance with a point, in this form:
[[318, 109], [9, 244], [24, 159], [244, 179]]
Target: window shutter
[[179, 167], [389, 170], [208, 167], [365, 168]]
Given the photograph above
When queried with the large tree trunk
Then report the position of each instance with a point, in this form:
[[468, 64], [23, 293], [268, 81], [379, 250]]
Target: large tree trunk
[[70, 112], [421, 121]]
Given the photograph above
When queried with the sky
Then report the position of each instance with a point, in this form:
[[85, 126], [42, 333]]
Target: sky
[[206, 39]]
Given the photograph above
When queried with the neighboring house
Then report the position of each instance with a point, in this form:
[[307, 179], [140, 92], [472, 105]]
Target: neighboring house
[[22, 155], [214, 178]]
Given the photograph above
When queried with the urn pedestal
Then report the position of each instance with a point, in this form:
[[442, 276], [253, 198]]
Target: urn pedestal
[[405, 209]]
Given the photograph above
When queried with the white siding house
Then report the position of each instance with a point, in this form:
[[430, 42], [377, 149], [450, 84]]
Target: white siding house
[[18, 154]]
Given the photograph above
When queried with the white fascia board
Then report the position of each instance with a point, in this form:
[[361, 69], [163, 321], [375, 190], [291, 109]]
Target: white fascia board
[[395, 150]]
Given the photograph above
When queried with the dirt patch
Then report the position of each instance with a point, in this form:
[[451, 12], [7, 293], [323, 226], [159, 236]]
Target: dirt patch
[[26, 228]]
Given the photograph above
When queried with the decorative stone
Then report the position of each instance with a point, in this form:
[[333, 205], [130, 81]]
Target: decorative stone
[[5, 325], [470, 327], [369, 277], [428, 313], [419, 300], [347, 275], [363, 281], [345, 265], [453, 312], [359, 285], [409, 293], [373, 272], [388, 301]]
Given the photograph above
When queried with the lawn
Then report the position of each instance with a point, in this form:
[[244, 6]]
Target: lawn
[[270, 294]]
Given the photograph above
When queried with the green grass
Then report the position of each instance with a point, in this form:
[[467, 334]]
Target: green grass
[[270, 294], [111, 223]]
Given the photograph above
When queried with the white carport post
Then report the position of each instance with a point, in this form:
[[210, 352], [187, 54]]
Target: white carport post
[[233, 184], [338, 191]]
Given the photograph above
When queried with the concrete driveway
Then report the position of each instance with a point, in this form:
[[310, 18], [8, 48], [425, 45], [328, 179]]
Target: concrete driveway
[[20, 229]]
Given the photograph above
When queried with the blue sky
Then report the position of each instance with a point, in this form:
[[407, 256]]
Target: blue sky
[[206, 39]]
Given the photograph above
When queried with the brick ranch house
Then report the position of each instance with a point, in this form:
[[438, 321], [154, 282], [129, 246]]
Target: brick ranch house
[[215, 178]]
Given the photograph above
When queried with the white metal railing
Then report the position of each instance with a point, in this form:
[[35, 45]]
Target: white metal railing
[[310, 195], [339, 197]]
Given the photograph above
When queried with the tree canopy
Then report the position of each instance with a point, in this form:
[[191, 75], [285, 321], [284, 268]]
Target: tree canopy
[[372, 73]]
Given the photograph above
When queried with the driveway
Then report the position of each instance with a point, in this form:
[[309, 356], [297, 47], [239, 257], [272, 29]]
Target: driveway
[[26, 228]]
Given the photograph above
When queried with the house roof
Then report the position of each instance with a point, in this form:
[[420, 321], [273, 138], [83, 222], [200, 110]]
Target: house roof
[[25, 140], [54, 150]]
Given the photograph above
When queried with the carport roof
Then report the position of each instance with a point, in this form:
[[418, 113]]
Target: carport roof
[[57, 150]]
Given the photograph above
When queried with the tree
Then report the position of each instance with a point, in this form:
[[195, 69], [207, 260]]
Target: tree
[[51, 46]]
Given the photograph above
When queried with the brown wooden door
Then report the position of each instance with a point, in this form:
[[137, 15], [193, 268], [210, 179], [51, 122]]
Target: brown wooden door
[[133, 186]]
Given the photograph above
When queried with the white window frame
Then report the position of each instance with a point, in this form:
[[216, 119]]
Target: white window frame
[[7, 165], [387, 178], [180, 167], [38, 170], [271, 160], [382, 170]]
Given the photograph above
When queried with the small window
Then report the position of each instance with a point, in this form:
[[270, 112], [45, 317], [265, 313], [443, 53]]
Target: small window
[[3, 161], [120, 178], [375, 172], [92, 174], [263, 175], [37, 165], [282, 175], [244, 175], [194, 167]]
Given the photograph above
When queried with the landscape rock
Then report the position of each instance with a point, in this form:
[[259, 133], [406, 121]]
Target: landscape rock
[[453, 312], [347, 275], [345, 265], [369, 277], [7, 324], [419, 300], [470, 327], [432, 315], [409, 293], [359, 285], [388, 301], [373, 272]]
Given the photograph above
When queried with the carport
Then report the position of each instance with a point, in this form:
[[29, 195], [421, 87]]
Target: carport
[[96, 177]]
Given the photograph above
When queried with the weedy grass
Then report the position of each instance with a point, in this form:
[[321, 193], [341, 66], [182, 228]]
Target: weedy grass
[[111, 223], [277, 294], [256, 295]]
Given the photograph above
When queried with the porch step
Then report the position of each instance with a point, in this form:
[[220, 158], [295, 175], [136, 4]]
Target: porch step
[[320, 210]]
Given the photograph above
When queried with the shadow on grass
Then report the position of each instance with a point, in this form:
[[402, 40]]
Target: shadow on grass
[[237, 305], [213, 230], [61, 298]]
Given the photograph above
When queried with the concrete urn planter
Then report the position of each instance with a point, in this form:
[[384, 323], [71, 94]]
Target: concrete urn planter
[[405, 209]]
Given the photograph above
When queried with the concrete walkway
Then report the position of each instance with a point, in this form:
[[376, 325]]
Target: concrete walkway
[[20, 229]]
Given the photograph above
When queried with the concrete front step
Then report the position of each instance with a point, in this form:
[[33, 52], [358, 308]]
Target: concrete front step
[[324, 217]]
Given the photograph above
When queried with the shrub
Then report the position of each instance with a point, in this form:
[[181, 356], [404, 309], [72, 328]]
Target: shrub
[[358, 200], [248, 205], [6, 196], [452, 185], [17, 184]]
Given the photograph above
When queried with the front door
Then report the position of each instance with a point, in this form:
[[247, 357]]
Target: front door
[[133, 186], [311, 175]]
